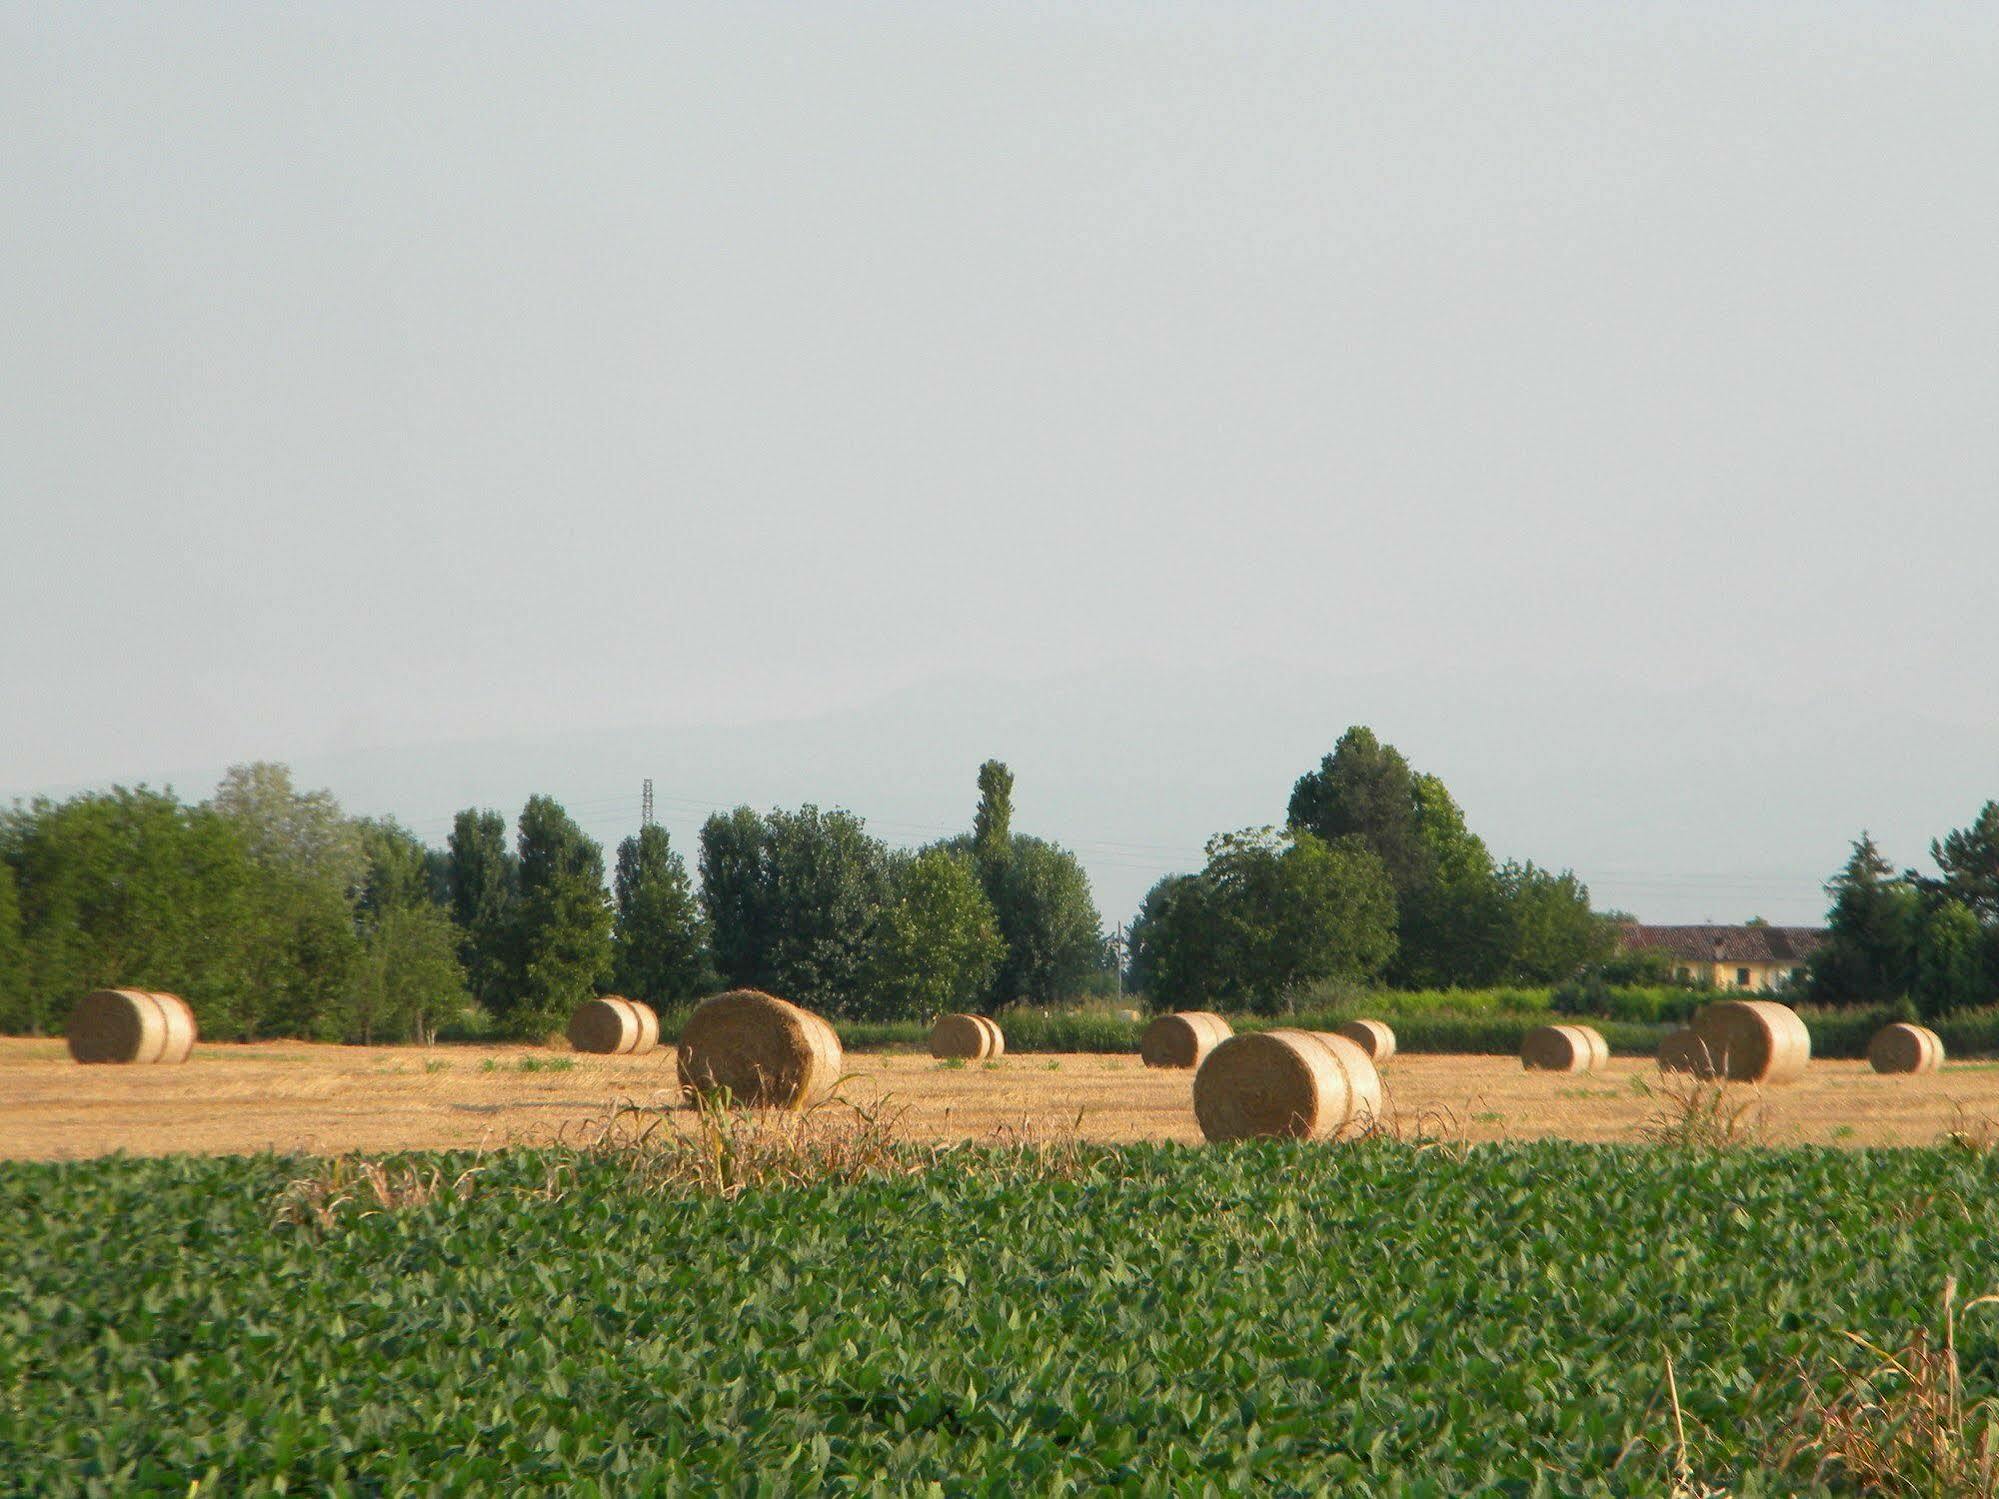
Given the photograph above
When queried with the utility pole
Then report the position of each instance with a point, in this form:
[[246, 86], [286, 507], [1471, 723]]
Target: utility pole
[[645, 805], [1117, 958]]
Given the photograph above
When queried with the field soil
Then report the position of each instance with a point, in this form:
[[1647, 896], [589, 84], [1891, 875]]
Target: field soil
[[291, 1097]]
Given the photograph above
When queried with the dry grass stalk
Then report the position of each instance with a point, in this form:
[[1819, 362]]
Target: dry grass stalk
[[758, 1050], [1899, 1424], [1183, 1039], [1702, 1113], [360, 1188]]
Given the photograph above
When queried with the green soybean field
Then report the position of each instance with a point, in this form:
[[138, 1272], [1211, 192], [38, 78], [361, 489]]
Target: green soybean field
[[1375, 1319]]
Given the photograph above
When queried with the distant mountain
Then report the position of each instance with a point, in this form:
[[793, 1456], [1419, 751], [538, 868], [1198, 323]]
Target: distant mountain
[[1722, 803]]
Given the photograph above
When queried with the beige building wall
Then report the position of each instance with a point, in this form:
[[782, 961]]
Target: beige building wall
[[1743, 976]]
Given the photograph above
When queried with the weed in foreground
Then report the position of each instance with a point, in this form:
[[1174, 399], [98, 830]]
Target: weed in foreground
[[350, 1186], [1694, 1113]]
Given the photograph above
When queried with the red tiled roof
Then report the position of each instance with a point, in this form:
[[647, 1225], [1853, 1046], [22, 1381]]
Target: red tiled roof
[[1727, 944]]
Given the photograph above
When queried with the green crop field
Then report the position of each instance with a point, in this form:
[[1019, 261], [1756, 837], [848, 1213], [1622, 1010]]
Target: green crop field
[[1375, 1319]]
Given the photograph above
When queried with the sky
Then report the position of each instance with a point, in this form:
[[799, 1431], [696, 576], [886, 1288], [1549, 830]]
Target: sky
[[383, 386]]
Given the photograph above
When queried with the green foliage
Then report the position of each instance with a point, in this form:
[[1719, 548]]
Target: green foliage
[[408, 981], [1268, 916], [659, 936], [482, 878], [1969, 859], [1048, 922], [792, 898], [1152, 1320], [561, 948], [936, 943], [1551, 933], [1869, 953], [13, 954], [398, 869], [1365, 789], [1950, 961], [992, 824]]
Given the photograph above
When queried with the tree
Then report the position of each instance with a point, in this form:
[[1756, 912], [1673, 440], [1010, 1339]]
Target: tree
[[312, 862], [1049, 923], [561, 951], [1969, 859], [992, 824], [1868, 957], [398, 869], [791, 898], [937, 943], [1365, 789], [1452, 927], [659, 938], [14, 1015], [1270, 915], [1551, 932], [408, 980], [482, 883], [1950, 961]]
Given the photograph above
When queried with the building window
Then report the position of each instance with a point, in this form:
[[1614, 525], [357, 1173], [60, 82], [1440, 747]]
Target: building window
[[1742, 978]]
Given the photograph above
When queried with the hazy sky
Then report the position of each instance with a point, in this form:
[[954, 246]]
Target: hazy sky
[[382, 375]]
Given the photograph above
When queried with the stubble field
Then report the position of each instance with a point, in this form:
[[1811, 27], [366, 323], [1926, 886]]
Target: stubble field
[[291, 1098]]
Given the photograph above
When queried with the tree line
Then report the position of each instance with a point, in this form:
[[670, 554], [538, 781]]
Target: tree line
[[1926, 944], [275, 914], [1373, 877]]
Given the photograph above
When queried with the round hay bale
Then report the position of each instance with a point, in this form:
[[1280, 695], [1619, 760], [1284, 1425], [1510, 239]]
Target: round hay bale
[[1685, 1051], [648, 1027], [1564, 1048], [1755, 1040], [765, 1051], [1182, 1040], [1371, 1036], [609, 1026], [1905, 1048], [965, 1037], [1308, 1085], [131, 1025], [993, 1034]]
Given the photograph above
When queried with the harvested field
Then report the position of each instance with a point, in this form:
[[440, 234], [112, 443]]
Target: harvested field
[[289, 1096]]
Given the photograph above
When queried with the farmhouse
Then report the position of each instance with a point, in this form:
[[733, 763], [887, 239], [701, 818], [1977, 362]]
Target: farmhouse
[[1730, 957]]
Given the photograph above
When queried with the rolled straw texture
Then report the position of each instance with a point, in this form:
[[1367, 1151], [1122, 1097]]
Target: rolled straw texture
[[1564, 1048], [1373, 1037], [1755, 1040], [609, 1025], [765, 1051], [966, 1037], [131, 1026], [1905, 1048], [1183, 1039], [1308, 1085]]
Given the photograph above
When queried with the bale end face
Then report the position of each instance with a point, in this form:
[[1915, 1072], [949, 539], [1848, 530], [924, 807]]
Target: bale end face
[[760, 1050], [1182, 1040], [1903, 1048]]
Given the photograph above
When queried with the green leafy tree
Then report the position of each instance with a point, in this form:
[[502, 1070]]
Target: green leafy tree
[[1868, 957], [1270, 915], [1048, 922], [937, 944], [408, 981], [1950, 969], [791, 899], [1365, 789], [992, 824], [129, 888], [659, 937], [14, 1012], [1452, 927], [1969, 859], [398, 869], [311, 860], [562, 926], [483, 886], [1552, 933]]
